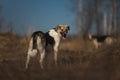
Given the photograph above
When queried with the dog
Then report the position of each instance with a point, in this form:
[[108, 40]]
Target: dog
[[98, 40], [40, 40]]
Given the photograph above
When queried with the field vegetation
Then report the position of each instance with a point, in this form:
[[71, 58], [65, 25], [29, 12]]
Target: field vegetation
[[77, 60]]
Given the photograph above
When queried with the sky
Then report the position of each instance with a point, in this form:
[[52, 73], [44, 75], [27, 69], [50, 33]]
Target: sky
[[38, 14]]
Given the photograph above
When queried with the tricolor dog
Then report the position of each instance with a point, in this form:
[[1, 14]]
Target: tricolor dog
[[39, 41], [100, 39]]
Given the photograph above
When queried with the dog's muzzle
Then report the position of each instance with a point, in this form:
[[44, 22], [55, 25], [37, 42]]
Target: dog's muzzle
[[64, 34]]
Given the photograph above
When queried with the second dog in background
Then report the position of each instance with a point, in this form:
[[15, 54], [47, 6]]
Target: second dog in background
[[98, 40]]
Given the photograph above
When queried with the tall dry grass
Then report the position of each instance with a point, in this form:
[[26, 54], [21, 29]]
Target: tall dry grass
[[77, 59], [77, 43]]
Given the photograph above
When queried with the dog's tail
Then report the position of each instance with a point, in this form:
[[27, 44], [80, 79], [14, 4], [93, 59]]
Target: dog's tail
[[34, 37], [37, 38], [30, 46]]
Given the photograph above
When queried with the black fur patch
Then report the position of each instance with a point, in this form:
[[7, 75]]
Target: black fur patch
[[100, 38], [49, 40], [35, 35], [45, 39]]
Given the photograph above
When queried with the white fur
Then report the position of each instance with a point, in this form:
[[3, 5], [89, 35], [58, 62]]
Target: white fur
[[108, 40], [57, 38], [41, 48], [96, 43], [33, 52], [41, 45]]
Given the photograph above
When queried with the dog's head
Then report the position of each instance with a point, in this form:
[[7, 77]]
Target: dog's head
[[90, 36], [62, 30]]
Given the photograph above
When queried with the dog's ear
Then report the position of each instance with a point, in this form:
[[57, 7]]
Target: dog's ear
[[58, 27], [68, 27]]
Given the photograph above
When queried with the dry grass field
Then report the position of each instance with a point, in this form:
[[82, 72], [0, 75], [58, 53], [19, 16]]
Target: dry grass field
[[77, 60]]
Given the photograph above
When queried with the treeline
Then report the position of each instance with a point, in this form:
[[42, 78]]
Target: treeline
[[99, 16]]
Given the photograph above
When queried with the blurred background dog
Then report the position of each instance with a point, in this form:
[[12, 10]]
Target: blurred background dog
[[98, 40]]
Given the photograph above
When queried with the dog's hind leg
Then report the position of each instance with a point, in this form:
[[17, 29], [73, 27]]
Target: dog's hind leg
[[42, 56], [27, 61], [41, 49], [31, 53]]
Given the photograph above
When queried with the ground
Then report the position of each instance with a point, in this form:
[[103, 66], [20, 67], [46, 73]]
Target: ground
[[77, 60]]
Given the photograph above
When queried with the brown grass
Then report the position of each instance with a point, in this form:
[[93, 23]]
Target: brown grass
[[77, 60]]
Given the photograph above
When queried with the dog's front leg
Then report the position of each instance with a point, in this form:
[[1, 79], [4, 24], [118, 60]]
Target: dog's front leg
[[55, 57], [55, 53]]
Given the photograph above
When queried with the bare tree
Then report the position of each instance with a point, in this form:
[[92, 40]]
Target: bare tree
[[115, 8], [89, 17], [77, 8], [110, 18], [97, 5], [98, 15], [105, 17], [80, 17]]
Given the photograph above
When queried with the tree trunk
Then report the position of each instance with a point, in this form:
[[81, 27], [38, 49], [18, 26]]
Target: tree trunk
[[80, 17], [110, 19], [105, 18], [98, 16], [89, 17], [115, 16]]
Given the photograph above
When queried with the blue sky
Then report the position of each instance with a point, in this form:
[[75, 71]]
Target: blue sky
[[39, 14]]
